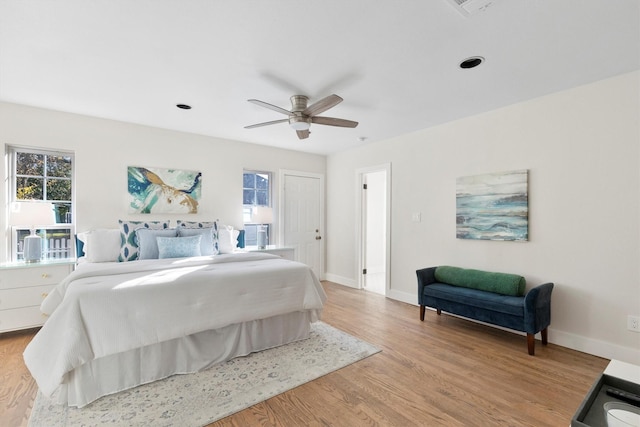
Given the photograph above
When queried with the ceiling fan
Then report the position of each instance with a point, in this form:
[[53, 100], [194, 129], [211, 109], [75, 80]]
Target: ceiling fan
[[301, 116]]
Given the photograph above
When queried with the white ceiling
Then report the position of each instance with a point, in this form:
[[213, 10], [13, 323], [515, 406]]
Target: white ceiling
[[395, 62]]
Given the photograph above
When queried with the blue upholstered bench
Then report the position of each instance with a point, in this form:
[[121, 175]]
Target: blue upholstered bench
[[495, 298]]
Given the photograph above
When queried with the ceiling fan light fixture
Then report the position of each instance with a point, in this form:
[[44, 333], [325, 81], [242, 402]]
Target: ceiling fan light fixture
[[299, 123]]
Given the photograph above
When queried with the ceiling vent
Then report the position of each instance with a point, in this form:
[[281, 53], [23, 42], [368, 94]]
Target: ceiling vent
[[471, 7]]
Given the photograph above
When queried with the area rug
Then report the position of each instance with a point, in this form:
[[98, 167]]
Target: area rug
[[224, 389]]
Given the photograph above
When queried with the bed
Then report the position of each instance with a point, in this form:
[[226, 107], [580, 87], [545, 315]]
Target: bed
[[116, 325]]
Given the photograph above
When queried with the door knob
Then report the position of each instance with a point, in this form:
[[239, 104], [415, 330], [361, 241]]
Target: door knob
[[318, 237]]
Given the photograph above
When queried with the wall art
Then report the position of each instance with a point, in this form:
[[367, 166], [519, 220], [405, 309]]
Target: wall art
[[493, 206], [156, 190]]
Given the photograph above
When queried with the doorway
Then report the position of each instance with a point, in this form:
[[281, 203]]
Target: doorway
[[302, 217], [374, 242]]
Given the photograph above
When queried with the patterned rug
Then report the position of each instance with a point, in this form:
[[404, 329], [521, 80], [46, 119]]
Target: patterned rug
[[204, 397]]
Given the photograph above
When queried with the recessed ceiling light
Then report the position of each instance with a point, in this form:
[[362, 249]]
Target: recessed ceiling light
[[472, 62], [184, 106]]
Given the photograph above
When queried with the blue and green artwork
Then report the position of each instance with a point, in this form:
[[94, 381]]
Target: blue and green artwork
[[493, 206], [155, 190]]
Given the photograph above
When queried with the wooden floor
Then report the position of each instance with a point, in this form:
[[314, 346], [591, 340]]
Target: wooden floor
[[443, 371]]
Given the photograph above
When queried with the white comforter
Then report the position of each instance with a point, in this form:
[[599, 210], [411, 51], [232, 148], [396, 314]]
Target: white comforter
[[104, 309]]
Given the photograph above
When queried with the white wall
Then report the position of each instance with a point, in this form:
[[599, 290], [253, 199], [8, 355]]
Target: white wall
[[581, 148], [104, 148]]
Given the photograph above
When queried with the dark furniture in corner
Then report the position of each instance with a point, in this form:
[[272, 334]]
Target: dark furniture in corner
[[495, 298]]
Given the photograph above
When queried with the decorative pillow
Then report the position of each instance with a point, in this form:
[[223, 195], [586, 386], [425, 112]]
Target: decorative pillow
[[203, 224], [500, 283], [147, 244], [81, 240], [178, 247], [128, 243], [227, 239], [206, 243], [100, 245]]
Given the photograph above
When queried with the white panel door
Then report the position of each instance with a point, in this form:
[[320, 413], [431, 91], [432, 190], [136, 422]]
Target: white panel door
[[303, 219]]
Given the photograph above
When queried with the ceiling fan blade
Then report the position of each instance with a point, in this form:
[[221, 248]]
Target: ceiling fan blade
[[323, 105], [266, 123], [331, 121], [303, 134], [270, 106]]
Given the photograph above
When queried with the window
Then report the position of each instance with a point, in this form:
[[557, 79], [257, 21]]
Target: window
[[256, 194], [42, 179]]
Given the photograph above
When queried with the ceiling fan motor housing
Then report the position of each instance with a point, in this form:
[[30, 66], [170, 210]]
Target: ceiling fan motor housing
[[299, 103]]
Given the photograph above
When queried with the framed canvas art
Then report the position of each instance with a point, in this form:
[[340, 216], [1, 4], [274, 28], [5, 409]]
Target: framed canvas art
[[157, 190], [493, 206]]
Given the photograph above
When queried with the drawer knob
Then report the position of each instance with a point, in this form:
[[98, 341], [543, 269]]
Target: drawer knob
[[44, 294], [45, 275]]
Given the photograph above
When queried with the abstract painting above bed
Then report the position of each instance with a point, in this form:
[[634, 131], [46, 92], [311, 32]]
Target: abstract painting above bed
[[156, 190]]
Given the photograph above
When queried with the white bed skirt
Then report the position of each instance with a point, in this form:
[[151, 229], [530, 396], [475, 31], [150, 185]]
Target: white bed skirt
[[193, 353]]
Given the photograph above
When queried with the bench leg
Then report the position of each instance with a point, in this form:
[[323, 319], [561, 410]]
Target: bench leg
[[438, 311], [422, 312], [531, 343], [543, 333]]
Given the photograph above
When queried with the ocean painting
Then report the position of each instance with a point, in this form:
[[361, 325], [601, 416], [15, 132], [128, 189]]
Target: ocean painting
[[155, 190], [493, 206]]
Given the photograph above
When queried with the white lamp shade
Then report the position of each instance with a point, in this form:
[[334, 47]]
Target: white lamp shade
[[32, 214], [262, 215]]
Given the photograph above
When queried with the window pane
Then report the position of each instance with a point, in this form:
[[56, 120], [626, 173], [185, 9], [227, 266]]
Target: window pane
[[63, 213], [59, 166], [249, 180], [262, 181], [30, 164], [29, 188], [262, 198], [248, 197], [58, 189]]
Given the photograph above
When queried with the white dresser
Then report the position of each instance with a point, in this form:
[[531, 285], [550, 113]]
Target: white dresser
[[22, 289]]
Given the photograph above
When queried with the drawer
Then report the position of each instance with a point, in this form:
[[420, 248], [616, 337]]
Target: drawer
[[21, 318], [23, 297], [33, 276]]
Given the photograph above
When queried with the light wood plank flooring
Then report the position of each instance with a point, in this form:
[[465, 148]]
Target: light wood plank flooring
[[444, 371]]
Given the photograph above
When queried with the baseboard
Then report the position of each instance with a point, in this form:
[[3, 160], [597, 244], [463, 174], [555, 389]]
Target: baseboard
[[341, 280], [407, 297], [599, 348]]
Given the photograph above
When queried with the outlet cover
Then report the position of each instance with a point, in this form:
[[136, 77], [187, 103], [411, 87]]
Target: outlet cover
[[633, 323]]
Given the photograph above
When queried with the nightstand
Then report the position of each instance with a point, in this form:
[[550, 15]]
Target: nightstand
[[284, 252], [22, 289]]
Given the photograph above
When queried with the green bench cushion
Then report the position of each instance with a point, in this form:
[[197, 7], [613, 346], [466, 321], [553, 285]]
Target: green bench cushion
[[500, 283]]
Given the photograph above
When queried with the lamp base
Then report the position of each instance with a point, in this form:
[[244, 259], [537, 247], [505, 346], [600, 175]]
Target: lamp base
[[32, 251], [262, 239]]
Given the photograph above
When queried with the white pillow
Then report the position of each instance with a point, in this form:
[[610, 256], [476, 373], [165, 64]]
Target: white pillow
[[101, 245], [227, 239]]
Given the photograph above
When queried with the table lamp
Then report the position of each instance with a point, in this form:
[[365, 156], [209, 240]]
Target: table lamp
[[262, 215], [33, 215]]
